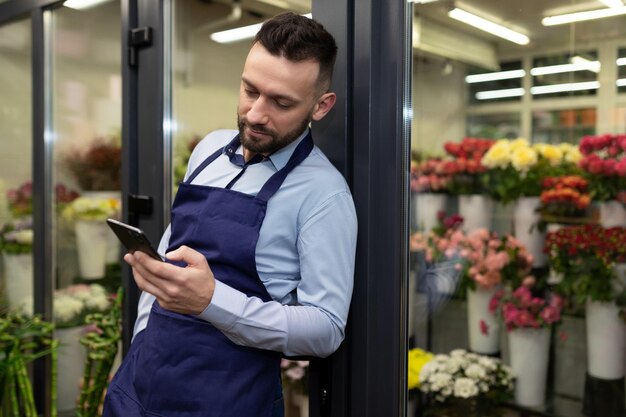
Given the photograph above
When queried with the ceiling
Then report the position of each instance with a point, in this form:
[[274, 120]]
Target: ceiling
[[525, 16]]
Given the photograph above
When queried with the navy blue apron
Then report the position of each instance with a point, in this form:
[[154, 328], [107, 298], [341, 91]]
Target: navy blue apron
[[182, 366]]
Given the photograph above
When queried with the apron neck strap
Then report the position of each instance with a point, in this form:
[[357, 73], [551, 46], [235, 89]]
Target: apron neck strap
[[272, 185], [229, 149]]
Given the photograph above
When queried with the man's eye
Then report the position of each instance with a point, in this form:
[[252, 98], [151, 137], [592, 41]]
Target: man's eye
[[251, 93], [283, 105]]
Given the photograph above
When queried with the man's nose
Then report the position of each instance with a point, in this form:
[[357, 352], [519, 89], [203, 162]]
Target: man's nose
[[257, 114]]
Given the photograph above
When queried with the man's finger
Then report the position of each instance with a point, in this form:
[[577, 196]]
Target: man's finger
[[190, 256]]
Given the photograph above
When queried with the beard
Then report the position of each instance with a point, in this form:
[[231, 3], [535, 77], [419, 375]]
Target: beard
[[271, 144]]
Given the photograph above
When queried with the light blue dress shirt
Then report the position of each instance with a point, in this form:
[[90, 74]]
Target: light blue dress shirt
[[304, 255]]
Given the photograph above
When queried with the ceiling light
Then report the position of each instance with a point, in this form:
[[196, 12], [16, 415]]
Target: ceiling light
[[491, 94], [620, 61], [488, 26], [621, 82], [240, 33], [82, 4], [613, 3], [557, 69], [581, 16], [494, 76], [560, 88], [593, 66]]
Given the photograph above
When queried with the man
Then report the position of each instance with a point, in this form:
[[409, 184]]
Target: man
[[260, 251]]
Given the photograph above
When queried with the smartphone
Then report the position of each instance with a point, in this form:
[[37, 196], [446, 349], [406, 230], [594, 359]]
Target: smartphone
[[133, 238]]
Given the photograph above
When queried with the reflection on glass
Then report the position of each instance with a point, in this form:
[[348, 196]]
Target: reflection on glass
[[86, 118], [519, 156], [206, 77], [16, 233]]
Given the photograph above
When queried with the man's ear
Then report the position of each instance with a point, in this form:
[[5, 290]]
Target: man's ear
[[323, 106]]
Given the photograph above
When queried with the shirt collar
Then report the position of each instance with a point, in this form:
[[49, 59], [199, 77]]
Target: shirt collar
[[279, 159]]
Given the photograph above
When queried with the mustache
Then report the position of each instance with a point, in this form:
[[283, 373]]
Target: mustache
[[257, 128]]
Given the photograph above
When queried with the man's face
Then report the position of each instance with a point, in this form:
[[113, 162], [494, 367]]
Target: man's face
[[277, 100]]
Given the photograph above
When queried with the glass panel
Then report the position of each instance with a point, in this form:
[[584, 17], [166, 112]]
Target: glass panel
[[205, 81], [16, 234], [504, 188], [86, 121]]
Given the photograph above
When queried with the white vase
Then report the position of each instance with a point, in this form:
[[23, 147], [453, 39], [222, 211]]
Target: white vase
[[526, 220], [18, 280], [554, 277], [92, 242], [612, 213], [302, 402], [113, 246], [606, 340], [477, 211], [426, 209], [529, 350], [70, 365], [481, 340]]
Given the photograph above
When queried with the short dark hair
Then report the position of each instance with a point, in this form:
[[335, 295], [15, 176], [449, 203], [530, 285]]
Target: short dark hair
[[299, 38]]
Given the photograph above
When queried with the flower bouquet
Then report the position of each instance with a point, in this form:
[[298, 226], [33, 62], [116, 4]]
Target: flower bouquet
[[465, 384], [430, 175], [604, 164], [16, 236], [468, 173], [521, 309], [564, 199], [528, 318], [516, 168], [98, 167], [586, 256], [91, 209]]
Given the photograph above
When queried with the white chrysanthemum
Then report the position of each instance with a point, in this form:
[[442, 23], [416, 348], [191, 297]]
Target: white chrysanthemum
[[488, 363], [439, 381], [454, 365], [475, 371], [458, 353], [98, 302], [24, 237], [66, 308], [465, 388]]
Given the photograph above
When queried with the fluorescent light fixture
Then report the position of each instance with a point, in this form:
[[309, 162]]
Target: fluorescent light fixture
[[82, 4], [593, 66], [494, 76], [613, 3], [240, 33], [557, 69], [491, 94], [560, 88], [621, 82], [488, 26], [581, 16], [620, 62]]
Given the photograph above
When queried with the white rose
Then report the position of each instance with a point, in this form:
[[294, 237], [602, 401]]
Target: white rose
[[66, 308]]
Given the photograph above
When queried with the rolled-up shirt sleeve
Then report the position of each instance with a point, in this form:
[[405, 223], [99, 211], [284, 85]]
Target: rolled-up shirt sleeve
[[315, 325]]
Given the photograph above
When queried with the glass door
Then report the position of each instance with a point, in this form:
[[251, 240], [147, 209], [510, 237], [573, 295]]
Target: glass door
[[85, 123]]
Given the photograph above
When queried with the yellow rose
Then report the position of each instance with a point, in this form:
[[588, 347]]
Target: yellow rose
[[498, 156], [524, 158], [552, 153], [574, 156], [518, 143]]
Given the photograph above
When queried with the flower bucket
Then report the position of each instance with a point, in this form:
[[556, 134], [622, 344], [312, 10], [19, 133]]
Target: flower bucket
[[529, 350], [483, 326], [606, 340], [525, 229], [612, 213], [553, 276], [92, 243], [427, 206], [70, 365], [18, 278], [477, 211]]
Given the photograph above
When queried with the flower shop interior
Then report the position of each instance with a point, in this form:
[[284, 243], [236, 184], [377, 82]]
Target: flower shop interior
[[485, 145]]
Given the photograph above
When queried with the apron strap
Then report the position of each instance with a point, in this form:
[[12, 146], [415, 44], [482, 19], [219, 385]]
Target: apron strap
[[230, 148], [272, 185]]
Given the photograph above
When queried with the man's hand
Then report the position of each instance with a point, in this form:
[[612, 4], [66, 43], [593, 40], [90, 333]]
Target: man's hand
[[185, 290]]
